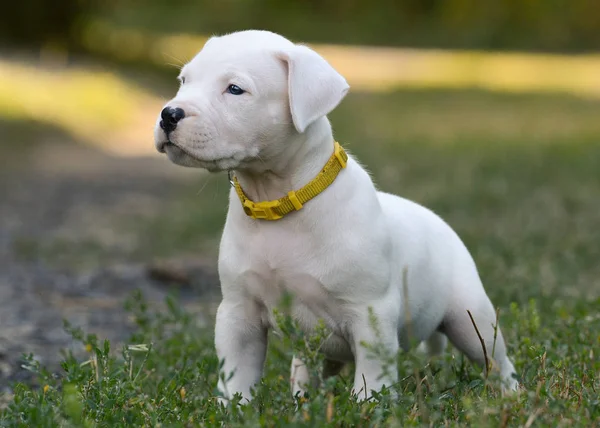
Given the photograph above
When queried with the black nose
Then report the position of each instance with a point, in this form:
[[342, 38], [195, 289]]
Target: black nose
[[170, 116]]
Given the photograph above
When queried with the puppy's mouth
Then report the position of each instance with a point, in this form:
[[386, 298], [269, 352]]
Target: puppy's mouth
[[162, 146], [180, 156]]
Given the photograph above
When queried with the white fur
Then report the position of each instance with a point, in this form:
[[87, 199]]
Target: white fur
[[345, 251]]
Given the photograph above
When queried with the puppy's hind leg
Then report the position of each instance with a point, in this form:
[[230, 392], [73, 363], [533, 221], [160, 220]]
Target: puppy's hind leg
[[435, 345], [299, 377], [459, 328]]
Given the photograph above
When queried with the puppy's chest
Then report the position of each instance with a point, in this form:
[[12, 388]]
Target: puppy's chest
[[277, 279], [272, 286], [323, 277], [308, 302]]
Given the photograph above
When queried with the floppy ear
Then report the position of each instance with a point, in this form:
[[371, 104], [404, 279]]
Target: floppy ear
[[314, 87]]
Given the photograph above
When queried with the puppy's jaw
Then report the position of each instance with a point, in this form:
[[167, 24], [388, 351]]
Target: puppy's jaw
[[181, 155]]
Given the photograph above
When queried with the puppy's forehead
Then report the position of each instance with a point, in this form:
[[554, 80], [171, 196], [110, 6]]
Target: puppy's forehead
[[244, 49], [251, 39]]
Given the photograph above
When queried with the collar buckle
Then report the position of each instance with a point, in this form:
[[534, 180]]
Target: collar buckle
[[262, 210]]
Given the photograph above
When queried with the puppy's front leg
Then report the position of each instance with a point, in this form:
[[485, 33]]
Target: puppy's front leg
[[241, 341], [375, 349]]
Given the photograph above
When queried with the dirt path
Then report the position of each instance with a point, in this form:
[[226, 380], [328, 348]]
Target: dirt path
[[59, 191]]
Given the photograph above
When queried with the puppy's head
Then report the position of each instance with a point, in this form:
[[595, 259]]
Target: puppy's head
[[242, 98]]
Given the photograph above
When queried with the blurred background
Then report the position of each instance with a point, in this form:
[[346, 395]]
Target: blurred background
[[486, 111]]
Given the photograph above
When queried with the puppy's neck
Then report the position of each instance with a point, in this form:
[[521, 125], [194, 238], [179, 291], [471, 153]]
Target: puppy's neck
[[300, 158]]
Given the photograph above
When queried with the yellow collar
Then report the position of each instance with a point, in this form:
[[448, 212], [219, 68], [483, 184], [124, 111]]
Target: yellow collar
[[274, 210]]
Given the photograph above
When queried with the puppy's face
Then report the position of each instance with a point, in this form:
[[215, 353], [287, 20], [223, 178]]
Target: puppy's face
[[236, 106]]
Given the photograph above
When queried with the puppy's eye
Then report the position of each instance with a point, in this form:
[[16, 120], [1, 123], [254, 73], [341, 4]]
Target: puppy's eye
[[182, 80], [235, 90]]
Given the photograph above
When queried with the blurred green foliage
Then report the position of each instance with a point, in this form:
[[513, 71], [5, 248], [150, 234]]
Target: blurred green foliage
[[38, 22], [550, 25]]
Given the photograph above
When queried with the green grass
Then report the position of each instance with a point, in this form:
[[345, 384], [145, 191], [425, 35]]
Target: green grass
[[517, 176]]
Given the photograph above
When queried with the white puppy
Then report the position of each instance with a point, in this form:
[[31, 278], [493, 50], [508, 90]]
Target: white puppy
[[255, 104]]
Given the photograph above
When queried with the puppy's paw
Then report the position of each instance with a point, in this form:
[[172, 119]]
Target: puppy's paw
[[511, 386]]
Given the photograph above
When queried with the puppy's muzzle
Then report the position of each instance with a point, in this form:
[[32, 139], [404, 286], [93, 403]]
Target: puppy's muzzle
[[170, 117]]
